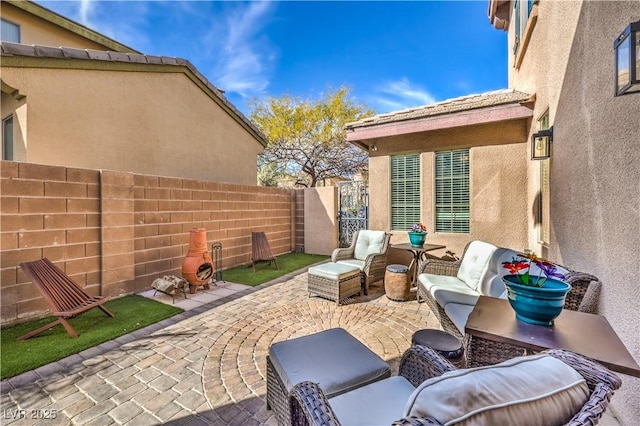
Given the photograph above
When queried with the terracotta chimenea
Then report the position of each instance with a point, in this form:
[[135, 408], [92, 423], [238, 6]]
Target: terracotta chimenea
[[197, 267]]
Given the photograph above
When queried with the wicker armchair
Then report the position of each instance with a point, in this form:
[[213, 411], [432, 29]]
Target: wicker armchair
[[372, 266], [309, 406]]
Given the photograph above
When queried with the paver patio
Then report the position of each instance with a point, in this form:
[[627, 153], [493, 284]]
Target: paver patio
[[207, 365]]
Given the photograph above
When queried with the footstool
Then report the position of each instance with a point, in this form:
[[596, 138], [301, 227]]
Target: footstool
[[334, 359], [442, 342], [334, 281]]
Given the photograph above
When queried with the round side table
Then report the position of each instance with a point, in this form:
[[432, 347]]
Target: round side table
[[442, 342]]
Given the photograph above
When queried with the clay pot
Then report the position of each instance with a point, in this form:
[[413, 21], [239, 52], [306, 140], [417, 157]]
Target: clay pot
[[197, 266]]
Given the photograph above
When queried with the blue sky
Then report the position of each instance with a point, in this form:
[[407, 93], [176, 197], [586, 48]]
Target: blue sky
[[393, 55]]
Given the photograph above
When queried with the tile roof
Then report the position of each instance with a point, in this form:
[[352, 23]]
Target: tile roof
[[449, 106], [48, 52]]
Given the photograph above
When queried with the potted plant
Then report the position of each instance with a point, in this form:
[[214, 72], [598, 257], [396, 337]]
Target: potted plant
[[537, 298], [417, 235]]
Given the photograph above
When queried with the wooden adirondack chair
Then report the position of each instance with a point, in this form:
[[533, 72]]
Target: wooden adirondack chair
[[65, 297], [260, 250]]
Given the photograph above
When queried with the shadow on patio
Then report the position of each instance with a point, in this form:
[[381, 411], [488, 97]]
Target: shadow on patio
[[207, 365]]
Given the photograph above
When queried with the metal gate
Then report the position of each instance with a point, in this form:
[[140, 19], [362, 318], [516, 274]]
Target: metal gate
[[354, 209]]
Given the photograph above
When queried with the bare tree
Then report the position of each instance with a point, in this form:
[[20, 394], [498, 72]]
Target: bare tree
[[307, 140]]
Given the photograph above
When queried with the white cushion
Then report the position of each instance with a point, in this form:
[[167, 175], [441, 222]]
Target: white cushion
[[458, 314], [333, 271], [380, 403], [475, 262], [446, 289], [352, 262], [368, 242], [533, 390]]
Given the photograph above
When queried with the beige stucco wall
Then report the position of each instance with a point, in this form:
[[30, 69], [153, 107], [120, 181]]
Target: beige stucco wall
[[595, 179], [320, 220], [158, 123], [35, 30], [499, 212]]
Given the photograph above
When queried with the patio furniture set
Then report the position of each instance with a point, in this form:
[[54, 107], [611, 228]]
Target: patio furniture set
[[468, 297], [330, 378]]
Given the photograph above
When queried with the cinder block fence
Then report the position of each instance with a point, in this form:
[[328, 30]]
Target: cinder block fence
[[115, 232]]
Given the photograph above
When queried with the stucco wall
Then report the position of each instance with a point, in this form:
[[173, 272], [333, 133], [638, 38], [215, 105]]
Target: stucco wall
[[499, 212], [320, 220], [157, 123], [35, 30], [595, 179]]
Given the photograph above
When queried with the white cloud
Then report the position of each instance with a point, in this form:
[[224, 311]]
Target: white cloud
[[244, 57], [399, 94], [121, 21]]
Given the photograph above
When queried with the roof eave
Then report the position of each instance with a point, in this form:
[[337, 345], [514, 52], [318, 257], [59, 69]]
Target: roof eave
[[499, 113]]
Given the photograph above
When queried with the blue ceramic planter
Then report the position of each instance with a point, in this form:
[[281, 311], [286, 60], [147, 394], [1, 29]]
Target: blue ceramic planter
[[536, 305], [417, 238]]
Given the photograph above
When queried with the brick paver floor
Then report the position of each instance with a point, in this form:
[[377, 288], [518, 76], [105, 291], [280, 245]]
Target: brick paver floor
[[205, 366]]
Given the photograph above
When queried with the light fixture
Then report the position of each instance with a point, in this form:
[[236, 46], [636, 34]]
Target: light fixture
[[627, 52], [541, 144], [374, 147]]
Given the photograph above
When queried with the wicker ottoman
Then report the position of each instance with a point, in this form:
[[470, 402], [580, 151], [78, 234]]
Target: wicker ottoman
[[334, 359], [396, 283], [334, 281]]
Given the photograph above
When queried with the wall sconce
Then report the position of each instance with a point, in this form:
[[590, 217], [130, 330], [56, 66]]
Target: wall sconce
[[541, 144], [374, 147], [627, 51]]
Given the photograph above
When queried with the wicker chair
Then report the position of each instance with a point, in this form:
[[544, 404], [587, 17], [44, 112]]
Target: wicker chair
[[372, 266], [583, 297], [309, 406]]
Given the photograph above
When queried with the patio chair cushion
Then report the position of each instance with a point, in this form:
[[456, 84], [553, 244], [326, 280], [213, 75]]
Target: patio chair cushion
[[334, 359], [446, 289], [368, 242], [524, 390], [352, 262], [333, 271], [380, 403], [475, 263], [459, 314]]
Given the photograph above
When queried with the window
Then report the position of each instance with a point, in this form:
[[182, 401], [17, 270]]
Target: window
[[543, 228], [405, 191], [452, 191], [7, 138], [525, 16], [9, 31]]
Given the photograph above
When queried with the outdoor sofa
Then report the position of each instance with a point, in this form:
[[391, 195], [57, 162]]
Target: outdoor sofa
[[452, 288], [553, 387]]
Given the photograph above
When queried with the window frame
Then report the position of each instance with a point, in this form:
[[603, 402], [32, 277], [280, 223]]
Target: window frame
[[15, 25], [405, 208], [525, 18], [454, 207], [7, 139]]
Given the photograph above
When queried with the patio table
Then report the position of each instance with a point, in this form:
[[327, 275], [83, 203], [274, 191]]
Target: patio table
[[493, 321], [419, 253]]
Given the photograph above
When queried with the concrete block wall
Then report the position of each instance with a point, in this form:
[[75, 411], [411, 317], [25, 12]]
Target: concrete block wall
[[115, 232], [299, 237], [51, 212], [167, 208]]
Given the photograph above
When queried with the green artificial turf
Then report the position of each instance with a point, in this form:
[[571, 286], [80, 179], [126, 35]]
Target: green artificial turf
[[93, 327], [266, 272]]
